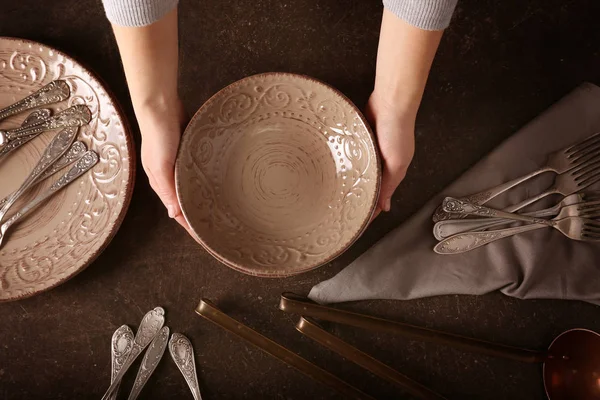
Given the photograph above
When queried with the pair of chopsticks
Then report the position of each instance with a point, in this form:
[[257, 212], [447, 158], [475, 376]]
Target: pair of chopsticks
[[308, 310]]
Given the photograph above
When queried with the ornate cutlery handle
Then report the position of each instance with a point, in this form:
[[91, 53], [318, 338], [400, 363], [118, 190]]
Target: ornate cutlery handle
[[71, 117], [464, 242], [182, 353], [447, 228], [75, 152], [149, 327], [86, 162], [150, 361], [488, 194], [57, 147], [452, 205], [35, 118], [54, 92], [120, 347]]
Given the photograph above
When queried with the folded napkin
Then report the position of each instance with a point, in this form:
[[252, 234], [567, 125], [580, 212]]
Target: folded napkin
[[537, 264]]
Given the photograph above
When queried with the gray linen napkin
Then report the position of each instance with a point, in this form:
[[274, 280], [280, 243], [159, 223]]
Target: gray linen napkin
[[537, 264]]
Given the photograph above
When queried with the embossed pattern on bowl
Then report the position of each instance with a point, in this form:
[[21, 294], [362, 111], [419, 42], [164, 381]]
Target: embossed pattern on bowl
[[66, 233], [277, 174]]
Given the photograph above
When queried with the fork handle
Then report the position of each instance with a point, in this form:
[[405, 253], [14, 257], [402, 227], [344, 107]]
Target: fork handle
[[531, 200], [488, 194], [453, 205], [447, 228], [464, 242]]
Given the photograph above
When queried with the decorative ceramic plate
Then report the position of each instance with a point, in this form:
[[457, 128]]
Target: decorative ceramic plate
[[277, 174], [67, 232]]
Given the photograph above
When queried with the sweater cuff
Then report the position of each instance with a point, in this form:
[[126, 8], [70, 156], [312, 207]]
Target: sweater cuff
[[431, 15], [137, 12]]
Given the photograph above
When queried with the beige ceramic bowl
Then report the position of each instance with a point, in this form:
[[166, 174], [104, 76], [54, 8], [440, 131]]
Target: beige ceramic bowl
[[277, 174]]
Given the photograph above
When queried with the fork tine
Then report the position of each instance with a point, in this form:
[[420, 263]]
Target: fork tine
[[591, 196], [591, 224], [590, 215], [590, 238], [585, 169], [582, 144], [588, 180], [588, 204], [585, 154]]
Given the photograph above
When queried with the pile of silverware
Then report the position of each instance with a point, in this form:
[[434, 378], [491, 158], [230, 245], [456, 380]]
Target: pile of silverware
[[577, 215], [125, 349], [62, 151]]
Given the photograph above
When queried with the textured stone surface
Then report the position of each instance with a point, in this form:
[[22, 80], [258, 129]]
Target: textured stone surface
[[497, 68]]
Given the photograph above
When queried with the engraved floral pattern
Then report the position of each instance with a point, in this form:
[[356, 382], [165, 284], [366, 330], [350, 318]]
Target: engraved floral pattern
[[67, 232], [182, 353], [232, 145]]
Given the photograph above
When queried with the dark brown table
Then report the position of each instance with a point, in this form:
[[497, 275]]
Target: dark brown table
[[499, 65]]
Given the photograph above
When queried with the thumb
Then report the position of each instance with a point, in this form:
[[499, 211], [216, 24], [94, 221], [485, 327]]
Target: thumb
[[162, 181], [390, 180]]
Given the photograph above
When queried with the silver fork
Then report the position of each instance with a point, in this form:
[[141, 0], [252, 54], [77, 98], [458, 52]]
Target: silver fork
[[578, 155], [576, 228], [447, 228], [566, 184]]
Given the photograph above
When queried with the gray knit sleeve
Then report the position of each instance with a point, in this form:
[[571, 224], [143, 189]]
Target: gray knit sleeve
[[137, 12], [431, 15]]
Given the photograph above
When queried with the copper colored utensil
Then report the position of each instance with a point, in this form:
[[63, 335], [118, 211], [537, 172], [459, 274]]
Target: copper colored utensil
[[207, 310], [571, 364], [311, 329]]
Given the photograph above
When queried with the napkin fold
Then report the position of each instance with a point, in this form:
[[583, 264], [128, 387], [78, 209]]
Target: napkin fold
[[541, 264]]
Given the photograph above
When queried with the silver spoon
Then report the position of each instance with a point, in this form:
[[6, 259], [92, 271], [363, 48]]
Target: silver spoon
[[86, 162], [120, 347], [54, 92], [149, 327], [75, 152], [57, 147], [182, 353], [150, 361], [71, 117]]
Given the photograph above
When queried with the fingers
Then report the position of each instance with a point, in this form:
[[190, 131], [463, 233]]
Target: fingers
[[391, 178], [375, 214], [162, 181]]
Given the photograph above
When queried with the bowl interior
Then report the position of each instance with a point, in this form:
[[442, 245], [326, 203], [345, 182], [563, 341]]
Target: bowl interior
[[277, 174]]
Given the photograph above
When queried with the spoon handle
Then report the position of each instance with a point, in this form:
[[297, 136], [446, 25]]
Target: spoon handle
[[73, 116], [57, 147], [54, 92], [120, 347], [86, 162], [182, 353], [150, 361], [149, 327], [35, 118], [75, 152]]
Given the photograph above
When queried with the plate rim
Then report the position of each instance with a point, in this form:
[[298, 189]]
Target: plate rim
[[132, 170], [310, 267]]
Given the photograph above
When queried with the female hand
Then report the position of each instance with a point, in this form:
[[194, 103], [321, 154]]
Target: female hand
[[395, 132], [161, 127], [404, 59]]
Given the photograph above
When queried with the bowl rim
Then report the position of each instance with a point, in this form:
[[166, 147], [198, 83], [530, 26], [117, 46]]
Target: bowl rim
[[309, 267]]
